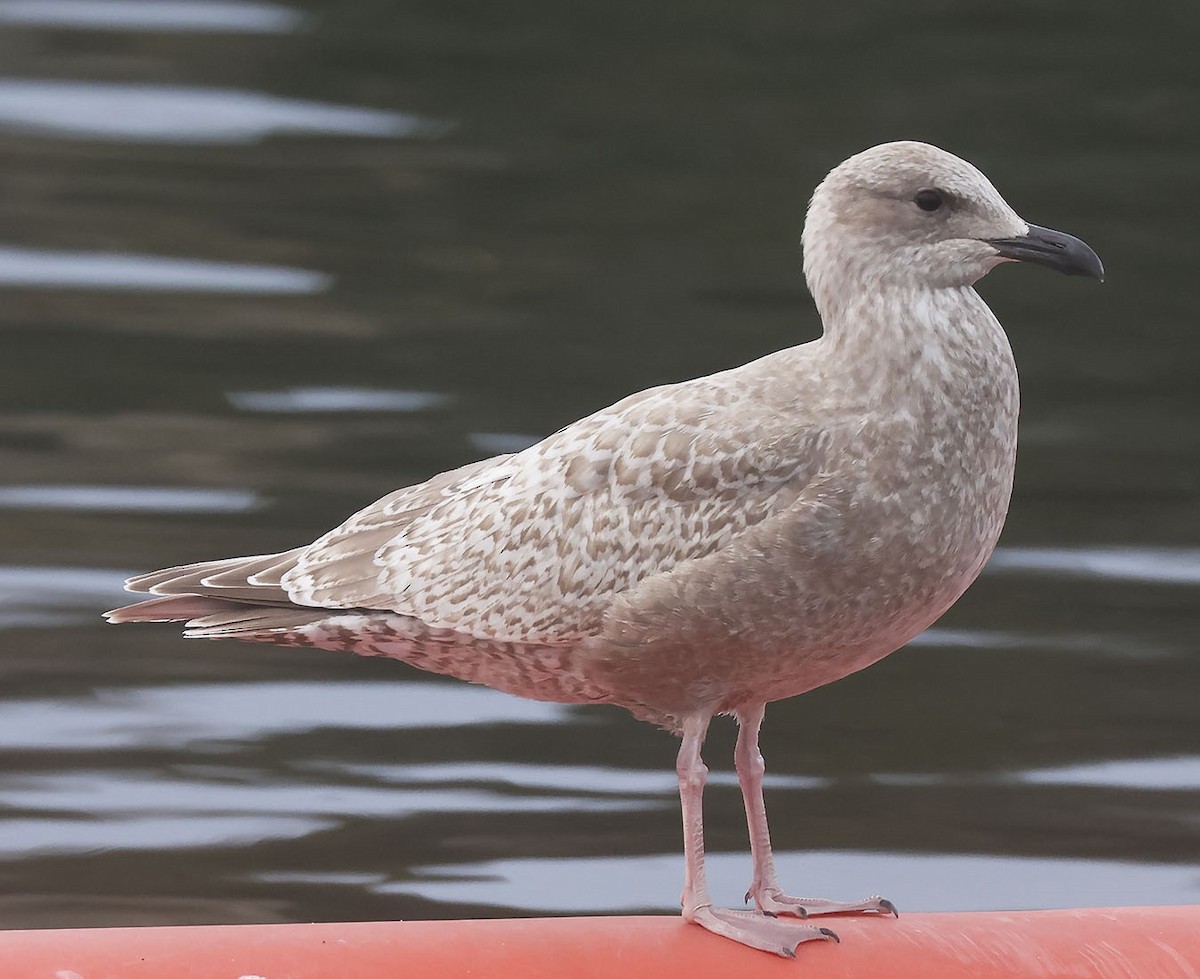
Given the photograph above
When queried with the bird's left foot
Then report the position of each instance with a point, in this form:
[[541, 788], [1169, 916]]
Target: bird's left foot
[[770, 900]]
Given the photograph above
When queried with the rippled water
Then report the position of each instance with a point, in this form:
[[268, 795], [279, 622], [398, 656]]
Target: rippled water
[[261, 263]]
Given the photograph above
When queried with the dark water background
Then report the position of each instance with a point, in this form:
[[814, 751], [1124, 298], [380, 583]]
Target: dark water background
[[260, 264]]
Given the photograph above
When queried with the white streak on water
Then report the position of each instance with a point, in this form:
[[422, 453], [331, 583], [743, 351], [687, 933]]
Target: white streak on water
[[131, 794], [1159, 565], [199, 715], [231, 16], [1181, 772], [130, 272], [570, 778], [335, 399], [46, 597], [128, 499], [87, 834], [180, 114], [915, 881], [497, 443], [938, 638]]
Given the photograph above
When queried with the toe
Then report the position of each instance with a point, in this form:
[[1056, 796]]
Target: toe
[[757, 930]]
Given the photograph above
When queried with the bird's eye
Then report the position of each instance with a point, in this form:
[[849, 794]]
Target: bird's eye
[[929, 200]]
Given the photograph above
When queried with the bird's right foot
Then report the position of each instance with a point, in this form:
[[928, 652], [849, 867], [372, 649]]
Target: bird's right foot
[[758, 930]]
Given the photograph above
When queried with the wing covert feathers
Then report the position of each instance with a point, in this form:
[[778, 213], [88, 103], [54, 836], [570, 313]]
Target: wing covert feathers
[[532, 547]]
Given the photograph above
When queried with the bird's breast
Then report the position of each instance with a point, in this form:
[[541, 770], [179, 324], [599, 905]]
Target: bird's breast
[[924, 483], [917, 470]]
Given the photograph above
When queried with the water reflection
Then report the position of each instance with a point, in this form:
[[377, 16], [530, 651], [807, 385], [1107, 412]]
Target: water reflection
[[128, 499], [40, 268], [246, 17], [1162, 565], [331, 399], [1166, 774], [928, 882], [89, 833], [589, 779], [46, 597], [179, 114], [143, 810], [229, 790], [1062, 640], [191, 715], [498, 443], [1181, 773]]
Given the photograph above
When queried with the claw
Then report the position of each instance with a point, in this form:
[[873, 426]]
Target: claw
[[889, 907], [831, 934]]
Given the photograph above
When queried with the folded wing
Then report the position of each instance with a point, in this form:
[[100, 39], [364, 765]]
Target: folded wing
[[532, 547]]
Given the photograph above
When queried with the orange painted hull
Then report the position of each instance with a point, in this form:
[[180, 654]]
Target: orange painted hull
[[1150, 943]]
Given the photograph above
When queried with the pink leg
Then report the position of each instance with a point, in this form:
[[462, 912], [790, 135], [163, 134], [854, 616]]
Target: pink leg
[[748, 927], [765, 889]]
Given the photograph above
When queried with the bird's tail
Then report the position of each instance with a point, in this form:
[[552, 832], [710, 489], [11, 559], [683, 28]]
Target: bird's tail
[[237, 597]]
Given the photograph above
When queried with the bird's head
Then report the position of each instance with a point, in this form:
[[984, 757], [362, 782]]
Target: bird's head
[[912, 213]]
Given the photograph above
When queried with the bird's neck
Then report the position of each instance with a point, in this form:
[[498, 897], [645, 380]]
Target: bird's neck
[[891, 333]]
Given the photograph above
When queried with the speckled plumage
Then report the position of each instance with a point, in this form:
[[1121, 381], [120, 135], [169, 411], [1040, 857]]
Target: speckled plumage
[[709, 546]]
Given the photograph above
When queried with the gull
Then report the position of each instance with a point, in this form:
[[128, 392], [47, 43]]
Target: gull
[[707, 547]]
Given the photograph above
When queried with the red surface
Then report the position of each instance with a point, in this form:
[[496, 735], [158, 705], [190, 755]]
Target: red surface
[[1146, 943]]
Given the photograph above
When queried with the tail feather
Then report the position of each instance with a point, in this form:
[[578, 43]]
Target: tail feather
[[235, 579], [248, 620], [176, 608], [212, 617], [156, 581], [221, 598], [246, 571]]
